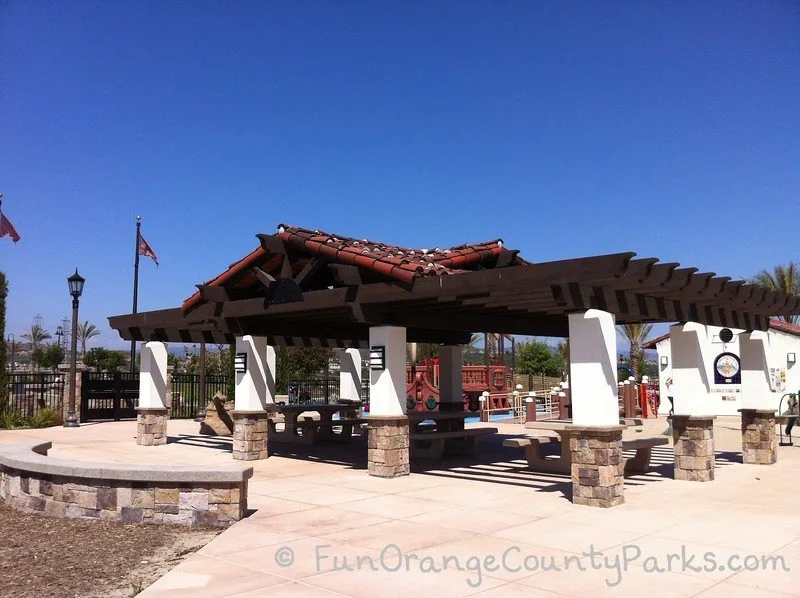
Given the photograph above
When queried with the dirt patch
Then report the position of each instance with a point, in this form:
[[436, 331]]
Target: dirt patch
[[70, 558]]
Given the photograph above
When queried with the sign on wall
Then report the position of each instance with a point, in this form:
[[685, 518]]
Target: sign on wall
[[727, 369], [777, 379]]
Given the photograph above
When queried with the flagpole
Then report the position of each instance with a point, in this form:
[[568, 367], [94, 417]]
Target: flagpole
[[135, 287]]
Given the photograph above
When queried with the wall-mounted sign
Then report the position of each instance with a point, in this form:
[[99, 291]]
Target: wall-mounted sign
[[777, 379], [377, 357], [240, 363], [726, 335], [727, 369]]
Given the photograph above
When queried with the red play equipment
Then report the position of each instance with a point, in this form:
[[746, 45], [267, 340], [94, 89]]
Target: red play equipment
[[422, 381]]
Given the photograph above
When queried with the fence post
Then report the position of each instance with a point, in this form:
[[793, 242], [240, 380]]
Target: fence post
[[63, 369]]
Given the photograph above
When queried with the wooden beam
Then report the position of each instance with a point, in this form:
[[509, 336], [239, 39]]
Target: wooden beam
[[264, 278], [213, 293], [346, 275], [309, 270], [272, 244]]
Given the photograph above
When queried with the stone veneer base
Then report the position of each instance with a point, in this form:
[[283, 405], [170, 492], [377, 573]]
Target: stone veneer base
[[759, 441], [597, 466], [387, 446], [693, 437], [151, 428], [250, 435], [32, 482]]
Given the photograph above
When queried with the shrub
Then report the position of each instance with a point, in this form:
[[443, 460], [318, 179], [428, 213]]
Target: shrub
[[11, 418], [45, 418]]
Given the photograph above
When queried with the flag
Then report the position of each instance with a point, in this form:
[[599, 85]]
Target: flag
[[145, 250], [7, 229]]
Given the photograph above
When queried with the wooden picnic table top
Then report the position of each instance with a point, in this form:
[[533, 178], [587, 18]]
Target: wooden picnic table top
[[436, 415]]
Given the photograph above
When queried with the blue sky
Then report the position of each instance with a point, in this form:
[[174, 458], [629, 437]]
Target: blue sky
[[670, 129]]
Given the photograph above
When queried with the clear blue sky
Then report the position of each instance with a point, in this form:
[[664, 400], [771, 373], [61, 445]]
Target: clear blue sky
[[566, 128]]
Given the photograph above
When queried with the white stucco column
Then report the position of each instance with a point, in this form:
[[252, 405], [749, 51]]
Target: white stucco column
[[691, 355], [255, 388], [387, 388], [153, 376], [593, 368], [753, 354], [349, 374], [450, 384]]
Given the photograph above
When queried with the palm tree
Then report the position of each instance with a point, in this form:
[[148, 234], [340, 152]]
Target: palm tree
[[85, 332], [635, 334], [36, 335], [785, 279]]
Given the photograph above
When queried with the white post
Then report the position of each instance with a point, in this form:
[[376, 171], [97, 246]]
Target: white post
[[255, 388], [450, 383], [593, 368], [753, 354], [153, 376], [691, 383], [387, 387], [349, 374]]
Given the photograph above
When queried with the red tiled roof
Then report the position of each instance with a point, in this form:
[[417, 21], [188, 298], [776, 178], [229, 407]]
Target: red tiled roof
[[774, 324], [399, 263], [651, 344]]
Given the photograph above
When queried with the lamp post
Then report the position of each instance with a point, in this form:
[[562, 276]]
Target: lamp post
[[75, 283], [59, 334]]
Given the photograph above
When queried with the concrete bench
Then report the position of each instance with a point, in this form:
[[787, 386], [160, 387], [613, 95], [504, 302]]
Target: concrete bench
[[314, 428], [465, 442], [639, 463]]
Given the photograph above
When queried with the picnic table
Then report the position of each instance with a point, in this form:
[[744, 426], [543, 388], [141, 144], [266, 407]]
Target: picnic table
[[432, 433], [564, 430], [309, 429]]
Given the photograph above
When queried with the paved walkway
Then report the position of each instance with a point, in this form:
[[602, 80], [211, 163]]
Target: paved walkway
[[498, 522]]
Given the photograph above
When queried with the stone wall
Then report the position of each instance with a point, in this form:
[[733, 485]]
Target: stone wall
[[387, 446], [693, 437], [597, 466], [31, 482]]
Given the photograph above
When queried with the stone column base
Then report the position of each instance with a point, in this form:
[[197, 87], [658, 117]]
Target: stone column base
[[759, 441], [151, 429], [387, 446], [693, 436], [250, 431], [597, 466]]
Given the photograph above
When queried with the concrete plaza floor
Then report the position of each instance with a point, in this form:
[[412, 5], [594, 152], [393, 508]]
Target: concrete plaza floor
[[495, 525]]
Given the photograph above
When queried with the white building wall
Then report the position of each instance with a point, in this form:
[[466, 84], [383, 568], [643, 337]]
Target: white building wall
[[703, 396]]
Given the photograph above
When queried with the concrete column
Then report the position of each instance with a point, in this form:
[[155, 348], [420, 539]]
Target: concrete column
[[349, 374], [597, 466], [759, 441], [255, 388], [254, 396], [451, 388], [387, 443], [593, 368], [756, 390], [152, 414], [693, 437], [690, 375]]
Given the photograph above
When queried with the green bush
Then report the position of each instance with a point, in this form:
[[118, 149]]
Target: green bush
[[10, 419], [45, 418]]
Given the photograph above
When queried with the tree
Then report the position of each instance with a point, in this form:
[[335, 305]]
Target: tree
[[785, 279], [536, 357], [86, 331], [115, 360], [95, 358], [36, 335], [299, 363], [49, 355], [635, 334]]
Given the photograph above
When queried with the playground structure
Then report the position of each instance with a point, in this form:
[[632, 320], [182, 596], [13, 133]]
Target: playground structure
[[422, 385]]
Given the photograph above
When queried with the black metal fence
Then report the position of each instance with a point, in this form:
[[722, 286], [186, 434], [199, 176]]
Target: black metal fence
[[186, 393], [27, 393], [109, 395], [319, 391]]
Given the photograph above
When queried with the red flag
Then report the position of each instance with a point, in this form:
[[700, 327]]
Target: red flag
[[144, 249], [7, 229]]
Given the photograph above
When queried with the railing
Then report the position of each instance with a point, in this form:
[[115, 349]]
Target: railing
[[27, 393], [186, 393], [313, 391]]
